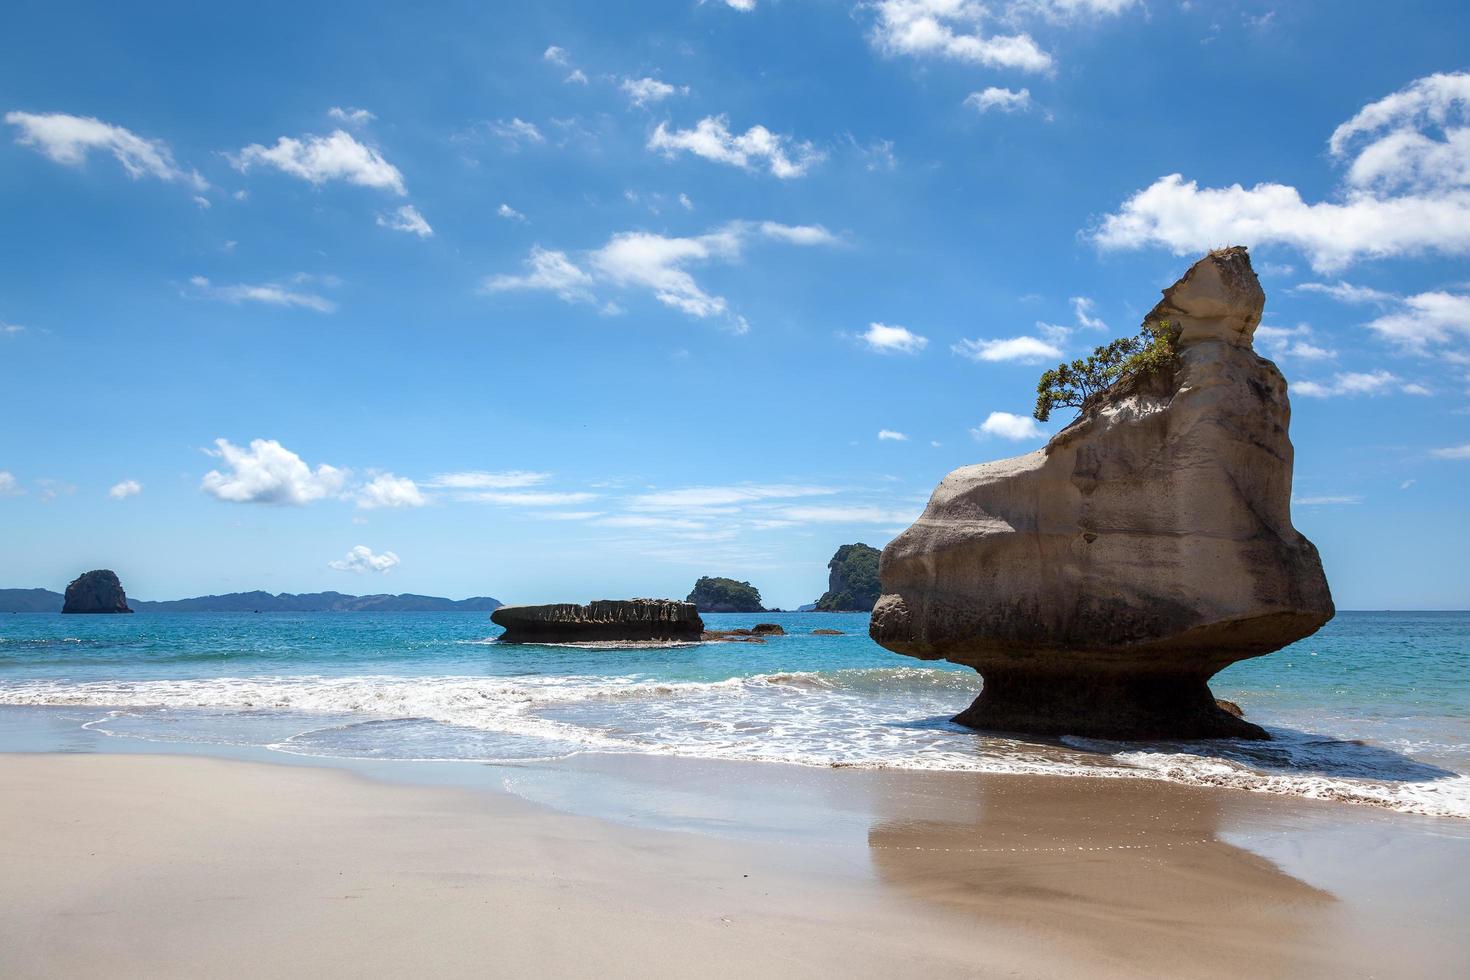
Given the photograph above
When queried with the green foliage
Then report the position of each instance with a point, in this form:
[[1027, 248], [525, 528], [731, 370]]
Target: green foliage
[[1077, 385], [853, 583], [713, 594]]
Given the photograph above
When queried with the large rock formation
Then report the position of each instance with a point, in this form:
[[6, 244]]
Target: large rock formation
[[601, 621], [1099, 582], [724, 595], [97, 591], [852, 580]]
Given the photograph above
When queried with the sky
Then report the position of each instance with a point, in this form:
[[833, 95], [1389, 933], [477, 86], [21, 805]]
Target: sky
[[563, 301]]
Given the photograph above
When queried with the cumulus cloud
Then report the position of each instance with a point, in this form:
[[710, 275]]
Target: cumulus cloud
[[509, 213], [361, 559], [352, 117], [387, 490], [1024, 350], [69, 139], [952, 29], [9, 485], [890, 435], [576, 77], [999, 100], [407, 218], [482, 480], [642, 91], [885, 339], [125, 489], [1405, 190], [1004, 425], [656, 263], [1425, 319], [270, 293], [319, 159], [711, 139], [1281, 343], [557, 56], [268, 473]]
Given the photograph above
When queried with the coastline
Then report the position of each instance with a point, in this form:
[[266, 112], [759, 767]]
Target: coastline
[[186, 865]]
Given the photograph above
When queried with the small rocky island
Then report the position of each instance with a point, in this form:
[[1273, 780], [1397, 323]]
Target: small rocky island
[[712, 594], [1098, 583], [852, 581], [602, 621], [97, 591]]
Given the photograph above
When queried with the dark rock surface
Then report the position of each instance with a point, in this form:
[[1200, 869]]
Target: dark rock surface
[[601, 621], [1098, 583], [97, 591], [852, 580], [828, 633], [712, 594]]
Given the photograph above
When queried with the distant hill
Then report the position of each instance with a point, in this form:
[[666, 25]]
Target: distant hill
[[42, 600]]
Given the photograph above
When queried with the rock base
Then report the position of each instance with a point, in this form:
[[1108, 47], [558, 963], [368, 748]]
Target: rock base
[[1104, 705]]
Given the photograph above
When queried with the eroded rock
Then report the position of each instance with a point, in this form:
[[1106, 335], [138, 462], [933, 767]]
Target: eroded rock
[[1099, 582], [97, 591], [605, 620]]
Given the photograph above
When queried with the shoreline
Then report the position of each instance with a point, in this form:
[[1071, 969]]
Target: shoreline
[[874, 873]]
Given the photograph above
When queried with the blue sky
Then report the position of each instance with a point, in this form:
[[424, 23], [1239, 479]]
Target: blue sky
[[589, 299]]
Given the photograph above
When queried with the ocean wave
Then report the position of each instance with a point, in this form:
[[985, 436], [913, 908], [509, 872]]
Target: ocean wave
[[874, 718]]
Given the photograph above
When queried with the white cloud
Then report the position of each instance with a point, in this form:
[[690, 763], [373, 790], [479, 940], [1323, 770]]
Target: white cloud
[[270, 293], [952, 29], [659, 264], [576, 77], [845, 514], [1082, 308], [1000, 99], [125, 489], [509, 213], [517, 131], [1004, 425], [1348, 383], [642, 91], [361, 559], [549, 270], [890, 435], [685, 203], [51, 489], [481, 480], [704, 498], [557, 56], [1281, 343], [350, 116], [319, 159], [1452, 452], [1326, 500], [68, 139], [711, 138], [9, 485], [11, 329], [1424, 319], [744, 6], [885, 339], [1345, 292], [646, 521], [407, 218], [269, 473], [1406, 190], [387, 490], [525, 498], [1025, 350]]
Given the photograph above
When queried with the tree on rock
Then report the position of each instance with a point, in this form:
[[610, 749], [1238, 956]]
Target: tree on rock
[[852, 585], [713, 594]]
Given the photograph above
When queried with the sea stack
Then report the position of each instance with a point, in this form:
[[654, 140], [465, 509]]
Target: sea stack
[[1098, 583], [623, 620], [852, 580], [97, 591]]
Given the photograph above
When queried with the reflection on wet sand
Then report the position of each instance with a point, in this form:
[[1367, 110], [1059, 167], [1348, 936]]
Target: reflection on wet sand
[[1130, 874]]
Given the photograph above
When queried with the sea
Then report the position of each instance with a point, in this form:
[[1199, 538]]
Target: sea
[[1373, 710]]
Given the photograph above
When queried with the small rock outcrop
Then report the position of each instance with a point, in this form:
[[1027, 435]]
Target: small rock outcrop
[[712, 594], [97, 591], [852, 582], [627, 620], [1098, 583]]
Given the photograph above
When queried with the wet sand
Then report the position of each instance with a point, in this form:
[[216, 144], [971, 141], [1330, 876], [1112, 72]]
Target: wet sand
[[177, 865]]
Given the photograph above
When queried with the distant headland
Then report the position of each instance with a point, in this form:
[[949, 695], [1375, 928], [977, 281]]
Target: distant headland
[[46, 601]]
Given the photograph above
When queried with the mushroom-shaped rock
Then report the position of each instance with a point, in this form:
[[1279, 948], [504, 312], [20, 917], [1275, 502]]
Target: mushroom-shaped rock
[[1098, 583]]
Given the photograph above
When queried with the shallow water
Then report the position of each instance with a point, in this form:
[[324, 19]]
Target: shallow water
[[1373, 709]]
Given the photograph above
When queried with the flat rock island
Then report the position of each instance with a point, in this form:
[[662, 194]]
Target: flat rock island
[[605, 620], [1099, 582]]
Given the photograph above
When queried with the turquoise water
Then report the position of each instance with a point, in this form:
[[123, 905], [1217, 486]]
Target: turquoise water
[[1373, 709]]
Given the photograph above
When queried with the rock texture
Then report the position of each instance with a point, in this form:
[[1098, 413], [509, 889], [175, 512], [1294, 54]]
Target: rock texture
[[97, 591], [724, 595], [1099, 582], [601, 621], [852, 580]]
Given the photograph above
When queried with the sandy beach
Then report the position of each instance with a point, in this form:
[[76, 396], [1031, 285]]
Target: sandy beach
[[146, 865]]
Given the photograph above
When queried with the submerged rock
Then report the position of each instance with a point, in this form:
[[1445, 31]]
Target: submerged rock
[[97, 591], [603, 620], [1099, 582]]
